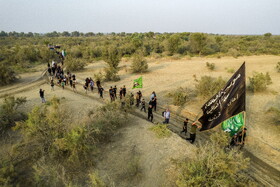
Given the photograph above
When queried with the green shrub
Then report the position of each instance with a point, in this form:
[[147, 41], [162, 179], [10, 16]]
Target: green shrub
[[233, 52], [139, 64], [51, 153], [180, 96], [7, 74], [230, 70], [213, 166], [278, 67], [112, 56], [111, 74], [259, 82], [161, 131], [73, 64], [210, 66], [207, 86], [275, 112], [99, 76], [9, 112]]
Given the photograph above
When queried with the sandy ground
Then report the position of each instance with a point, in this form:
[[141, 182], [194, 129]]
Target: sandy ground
[[167, 74], [136, 157], [133, 149]]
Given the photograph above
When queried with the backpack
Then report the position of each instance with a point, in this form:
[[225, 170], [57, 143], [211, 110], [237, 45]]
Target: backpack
[[163, 113]]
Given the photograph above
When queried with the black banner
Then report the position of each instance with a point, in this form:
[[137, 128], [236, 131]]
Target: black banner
[[227, 102]]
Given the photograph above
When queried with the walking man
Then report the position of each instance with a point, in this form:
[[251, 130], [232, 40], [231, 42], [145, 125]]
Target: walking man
[[42, 93], [124, 90], [185, 127], [150, 113], [166, 116], [193, 132], [143, 105]]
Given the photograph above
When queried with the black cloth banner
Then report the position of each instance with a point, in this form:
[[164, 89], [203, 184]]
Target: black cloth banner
[[228, 102]]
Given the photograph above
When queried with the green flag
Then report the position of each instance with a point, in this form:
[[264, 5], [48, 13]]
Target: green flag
[[234, 124], [137, 83]]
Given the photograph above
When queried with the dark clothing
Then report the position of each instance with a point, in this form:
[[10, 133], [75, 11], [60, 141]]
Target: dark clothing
[[192, 133], [143, 106], [41, 93], [115, 92], [192, 138], [112, 94], [155, 103], [124, 91], [101, 92], [185, 127], [233, 141], [49, 70], [150, 114]]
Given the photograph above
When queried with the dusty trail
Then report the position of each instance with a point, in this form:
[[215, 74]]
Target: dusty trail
[[259, 170]]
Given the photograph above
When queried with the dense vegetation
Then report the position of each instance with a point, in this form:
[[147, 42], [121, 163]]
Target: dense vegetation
[[21, 51], [51, 151], [214, 165]]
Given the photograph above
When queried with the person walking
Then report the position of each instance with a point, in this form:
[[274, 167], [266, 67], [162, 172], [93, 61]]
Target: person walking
[[100, 90], [91, 83], [150, 113], [62, 84], [52, 85], [111, 94], [74, 86], [42, 95], [131, 99], [124, 90], [115, 92], [193, 132], [121, 93], [137, 99], [166, 116], [143, 105], [185, 126]]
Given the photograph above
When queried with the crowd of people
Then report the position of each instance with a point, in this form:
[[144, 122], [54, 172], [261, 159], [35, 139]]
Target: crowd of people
[[55, 71]]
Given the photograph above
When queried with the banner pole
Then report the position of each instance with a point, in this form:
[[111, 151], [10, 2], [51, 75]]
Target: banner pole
[[243, 127]]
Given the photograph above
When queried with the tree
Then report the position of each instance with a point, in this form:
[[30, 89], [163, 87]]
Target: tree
[[9, 113], [267, 35], [198, 42], [173, 44], [112, 56], [65, 34], [7, 74], [139, 64], [75, 34]]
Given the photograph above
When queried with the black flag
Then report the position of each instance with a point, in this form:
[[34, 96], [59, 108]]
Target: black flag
[[227, 102]]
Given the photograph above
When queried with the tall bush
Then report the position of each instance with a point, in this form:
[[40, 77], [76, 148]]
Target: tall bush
[[139, 64], [9, 112], [208, 86], [213, 166], [259, 82], [112, 56]]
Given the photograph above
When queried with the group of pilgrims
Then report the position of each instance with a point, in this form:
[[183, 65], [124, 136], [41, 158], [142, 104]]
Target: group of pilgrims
[[56, 71]]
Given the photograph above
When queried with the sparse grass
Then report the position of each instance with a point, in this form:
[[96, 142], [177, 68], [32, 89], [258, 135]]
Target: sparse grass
[[278, 67], [181, 96], [74, 64], [210, 66], [161, 131], [213, 166], [259, 82], [230, 70], [208, 86], [275, 114]]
